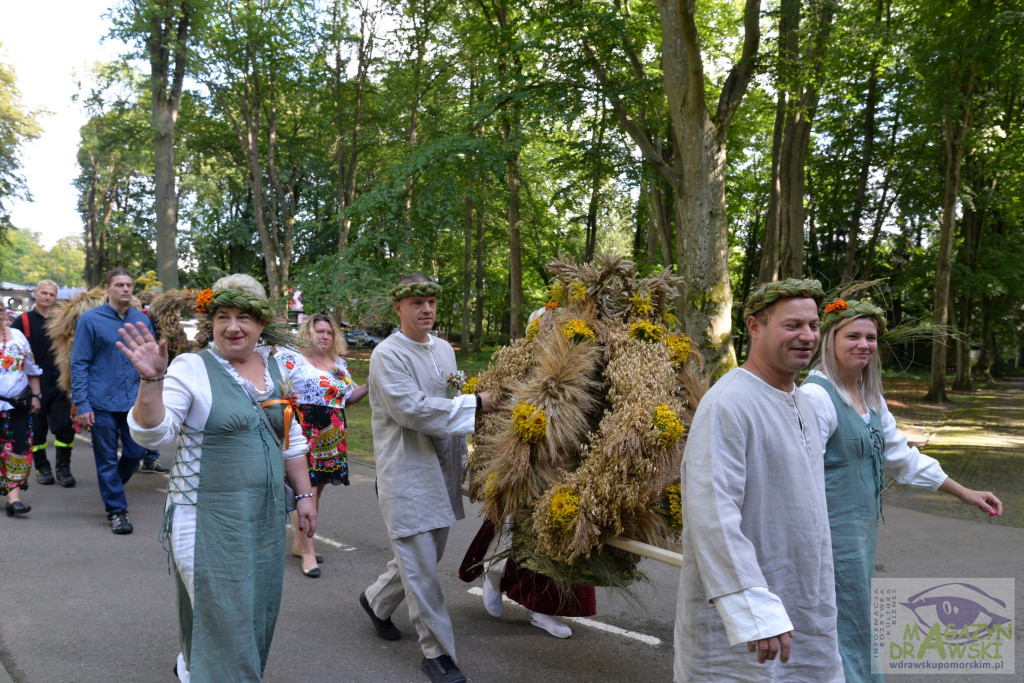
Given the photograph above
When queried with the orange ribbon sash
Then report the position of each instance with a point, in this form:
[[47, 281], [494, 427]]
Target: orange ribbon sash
[[291, 409]]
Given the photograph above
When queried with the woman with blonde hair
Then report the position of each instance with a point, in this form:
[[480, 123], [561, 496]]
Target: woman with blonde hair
[[862, 447], [323, 387]]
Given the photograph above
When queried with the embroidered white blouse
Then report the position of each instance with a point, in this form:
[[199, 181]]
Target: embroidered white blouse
[[314, 386], [16, 364]]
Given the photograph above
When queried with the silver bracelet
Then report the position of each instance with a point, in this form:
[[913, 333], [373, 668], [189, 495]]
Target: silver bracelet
[[299, 496]]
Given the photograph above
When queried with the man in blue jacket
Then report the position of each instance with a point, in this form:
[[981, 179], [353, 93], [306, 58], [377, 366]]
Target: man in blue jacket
[[104, 385]]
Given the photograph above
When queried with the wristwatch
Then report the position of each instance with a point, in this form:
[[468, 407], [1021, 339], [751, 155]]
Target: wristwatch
[[39, 396]]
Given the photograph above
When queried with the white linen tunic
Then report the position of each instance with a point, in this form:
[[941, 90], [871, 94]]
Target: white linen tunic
[[417, 430], [755, 537]]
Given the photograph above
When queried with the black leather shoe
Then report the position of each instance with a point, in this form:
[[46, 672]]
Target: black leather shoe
[[120, 524], [385, 628], [17, 508], [64, 477], [44, 476], [442, 670]]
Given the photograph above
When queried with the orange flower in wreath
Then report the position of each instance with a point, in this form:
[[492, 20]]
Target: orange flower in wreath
[[837, 305], [203, 301]]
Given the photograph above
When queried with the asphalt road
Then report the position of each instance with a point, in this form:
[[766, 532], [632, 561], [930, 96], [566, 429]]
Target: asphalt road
[[78, 603]]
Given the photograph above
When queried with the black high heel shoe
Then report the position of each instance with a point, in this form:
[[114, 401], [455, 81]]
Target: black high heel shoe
[[17, 508]]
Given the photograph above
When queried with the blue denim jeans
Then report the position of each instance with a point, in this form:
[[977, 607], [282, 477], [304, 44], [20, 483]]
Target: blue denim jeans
[[111, 472]]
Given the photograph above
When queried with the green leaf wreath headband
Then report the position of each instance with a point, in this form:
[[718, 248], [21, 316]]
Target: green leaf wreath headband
[[415, 289], [208, 301], [841, 309], [767, 294]]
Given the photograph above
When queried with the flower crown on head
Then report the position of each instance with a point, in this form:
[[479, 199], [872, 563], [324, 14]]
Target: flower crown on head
[[841, 309], [837, 305], [203, 300]]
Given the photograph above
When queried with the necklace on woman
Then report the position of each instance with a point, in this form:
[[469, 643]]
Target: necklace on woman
[[317, 363]]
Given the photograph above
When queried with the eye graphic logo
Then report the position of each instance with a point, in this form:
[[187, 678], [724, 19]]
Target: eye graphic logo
[[966, 613]]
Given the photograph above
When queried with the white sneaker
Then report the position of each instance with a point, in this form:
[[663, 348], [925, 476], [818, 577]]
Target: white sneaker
[[492, 594], [550, 624]]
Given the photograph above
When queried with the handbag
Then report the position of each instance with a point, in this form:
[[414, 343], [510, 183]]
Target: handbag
[[289, 492], [22, 401]]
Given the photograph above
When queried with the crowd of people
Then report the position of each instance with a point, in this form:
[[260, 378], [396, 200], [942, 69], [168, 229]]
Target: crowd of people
[[781, 485]]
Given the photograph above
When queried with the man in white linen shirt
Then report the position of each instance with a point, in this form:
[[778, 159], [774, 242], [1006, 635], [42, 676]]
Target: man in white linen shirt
[[757, 559], [419, 446]]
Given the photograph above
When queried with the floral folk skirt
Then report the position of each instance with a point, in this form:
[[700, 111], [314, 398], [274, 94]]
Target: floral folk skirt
[[15, 449], [324, 429]]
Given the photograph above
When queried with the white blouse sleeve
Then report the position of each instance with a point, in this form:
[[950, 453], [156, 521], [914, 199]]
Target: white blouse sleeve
[[905, 463], [186, 395], [824, 409]]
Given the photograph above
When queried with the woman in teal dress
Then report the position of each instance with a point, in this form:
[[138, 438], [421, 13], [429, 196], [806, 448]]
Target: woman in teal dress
[[862, 448], [225, 512]]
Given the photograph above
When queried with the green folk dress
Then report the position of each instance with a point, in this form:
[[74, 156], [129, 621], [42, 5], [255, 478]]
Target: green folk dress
[[239, 537], [854, 480]]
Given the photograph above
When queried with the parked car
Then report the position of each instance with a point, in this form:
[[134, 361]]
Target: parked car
[[361, 339]]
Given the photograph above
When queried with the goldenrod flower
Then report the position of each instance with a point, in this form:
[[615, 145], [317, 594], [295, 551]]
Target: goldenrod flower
[[645, 331], [489, 487], [470, 386], [678, 348], [671, 505], [577, 291], [577, 330], [642, 303], [669, 426], [565, 505], [532, 330], [556, 292], [670, 321], [529, 422]]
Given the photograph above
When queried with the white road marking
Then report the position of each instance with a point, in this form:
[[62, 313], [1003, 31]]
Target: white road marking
[[330, 541], [585, 621], [317, 537]]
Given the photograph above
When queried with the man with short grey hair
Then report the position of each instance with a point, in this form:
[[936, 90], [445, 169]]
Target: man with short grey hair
[[55, 407]]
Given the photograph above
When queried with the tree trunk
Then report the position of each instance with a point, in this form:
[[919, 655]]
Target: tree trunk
[[866, 160], [515, 256], [478, 318], [769, 270], [166, 200], [702, 235], [962, 381], [953, 135], [167, 43], [467, 275], [800, 71]]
